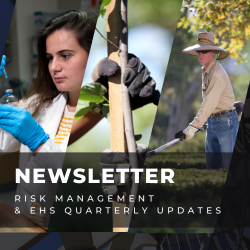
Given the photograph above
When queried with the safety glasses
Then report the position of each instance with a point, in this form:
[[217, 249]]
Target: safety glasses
[[202, 51]]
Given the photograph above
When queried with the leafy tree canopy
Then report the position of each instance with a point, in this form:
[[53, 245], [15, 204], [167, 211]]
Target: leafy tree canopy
[[228, 20]]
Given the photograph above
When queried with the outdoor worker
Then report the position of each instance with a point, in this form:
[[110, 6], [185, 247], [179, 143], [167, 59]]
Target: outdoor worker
[[217, 107]]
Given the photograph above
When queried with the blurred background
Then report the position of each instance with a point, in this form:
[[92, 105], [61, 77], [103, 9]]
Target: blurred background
[[29, 17], [181, 95]]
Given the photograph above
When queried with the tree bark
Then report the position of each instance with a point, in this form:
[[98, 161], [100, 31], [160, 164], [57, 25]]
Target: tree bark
[[128, 120], [118, 139]]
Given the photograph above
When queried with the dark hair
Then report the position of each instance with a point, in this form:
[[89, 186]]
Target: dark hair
[[83, 24]]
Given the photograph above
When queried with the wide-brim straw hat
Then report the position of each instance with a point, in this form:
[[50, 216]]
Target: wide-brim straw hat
[[205, 41]]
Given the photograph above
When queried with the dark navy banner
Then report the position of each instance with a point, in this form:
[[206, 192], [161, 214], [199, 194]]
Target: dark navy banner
[[6, 12]]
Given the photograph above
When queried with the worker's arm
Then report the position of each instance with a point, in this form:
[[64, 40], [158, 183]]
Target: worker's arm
[[210, 101], [82, 126]]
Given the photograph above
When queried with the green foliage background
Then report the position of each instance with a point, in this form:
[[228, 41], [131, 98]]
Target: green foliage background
[[161, 12]]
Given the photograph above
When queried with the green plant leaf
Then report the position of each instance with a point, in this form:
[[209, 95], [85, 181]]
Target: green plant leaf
[[93, 93], [105, 112], [103, 7], [105, 3], [83, 107], [138, 137], [102, 12]]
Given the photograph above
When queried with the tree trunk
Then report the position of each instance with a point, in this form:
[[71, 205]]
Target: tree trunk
[[178, 117], [118, 140], [180, 108]]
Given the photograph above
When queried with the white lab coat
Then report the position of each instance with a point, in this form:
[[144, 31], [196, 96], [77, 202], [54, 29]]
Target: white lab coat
[[49, 119]]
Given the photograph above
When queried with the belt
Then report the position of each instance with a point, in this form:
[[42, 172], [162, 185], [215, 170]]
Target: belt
[[220, 113]]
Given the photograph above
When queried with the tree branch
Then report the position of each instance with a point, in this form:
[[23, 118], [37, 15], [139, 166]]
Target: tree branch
[[128, 120]]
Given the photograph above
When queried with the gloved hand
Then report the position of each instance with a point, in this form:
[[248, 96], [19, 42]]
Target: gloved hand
[[141, 85], [22, 126], [239, 109], [3, 63], [188, 132], [116, 160], [180, 135]]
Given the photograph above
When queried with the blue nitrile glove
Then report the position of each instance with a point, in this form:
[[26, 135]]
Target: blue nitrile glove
[[22, 126], [3, 62]]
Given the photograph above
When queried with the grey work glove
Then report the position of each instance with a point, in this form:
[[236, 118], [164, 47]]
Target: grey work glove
[[116, 160], [141, 85]]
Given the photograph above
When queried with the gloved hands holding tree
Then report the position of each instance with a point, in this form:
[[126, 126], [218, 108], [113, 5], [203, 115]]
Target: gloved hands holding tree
[[3, 63], [22, 126], [141, 85], [118, 161]]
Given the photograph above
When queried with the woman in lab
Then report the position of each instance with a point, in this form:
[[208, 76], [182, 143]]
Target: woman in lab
[[43, 120], [63, 49]]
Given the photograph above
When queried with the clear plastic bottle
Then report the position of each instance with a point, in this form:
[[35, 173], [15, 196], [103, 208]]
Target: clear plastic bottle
[[9, 99]]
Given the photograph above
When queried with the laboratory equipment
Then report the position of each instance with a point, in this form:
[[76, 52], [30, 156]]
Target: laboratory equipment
[[5, 73], [9, 99]]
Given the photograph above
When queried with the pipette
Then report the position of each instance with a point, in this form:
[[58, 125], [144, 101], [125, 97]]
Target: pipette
[[5, 73]]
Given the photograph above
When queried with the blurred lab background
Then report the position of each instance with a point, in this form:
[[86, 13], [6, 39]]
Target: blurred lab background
[[29, 17]]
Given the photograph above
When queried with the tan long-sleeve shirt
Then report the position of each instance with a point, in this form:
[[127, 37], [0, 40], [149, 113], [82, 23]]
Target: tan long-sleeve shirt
[[217, 93]]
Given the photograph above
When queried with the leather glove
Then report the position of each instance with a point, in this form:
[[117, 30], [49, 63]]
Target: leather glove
[[239, 107], [187, 134], [141, 85], [22, 126], [3, 62], [116, 160]]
